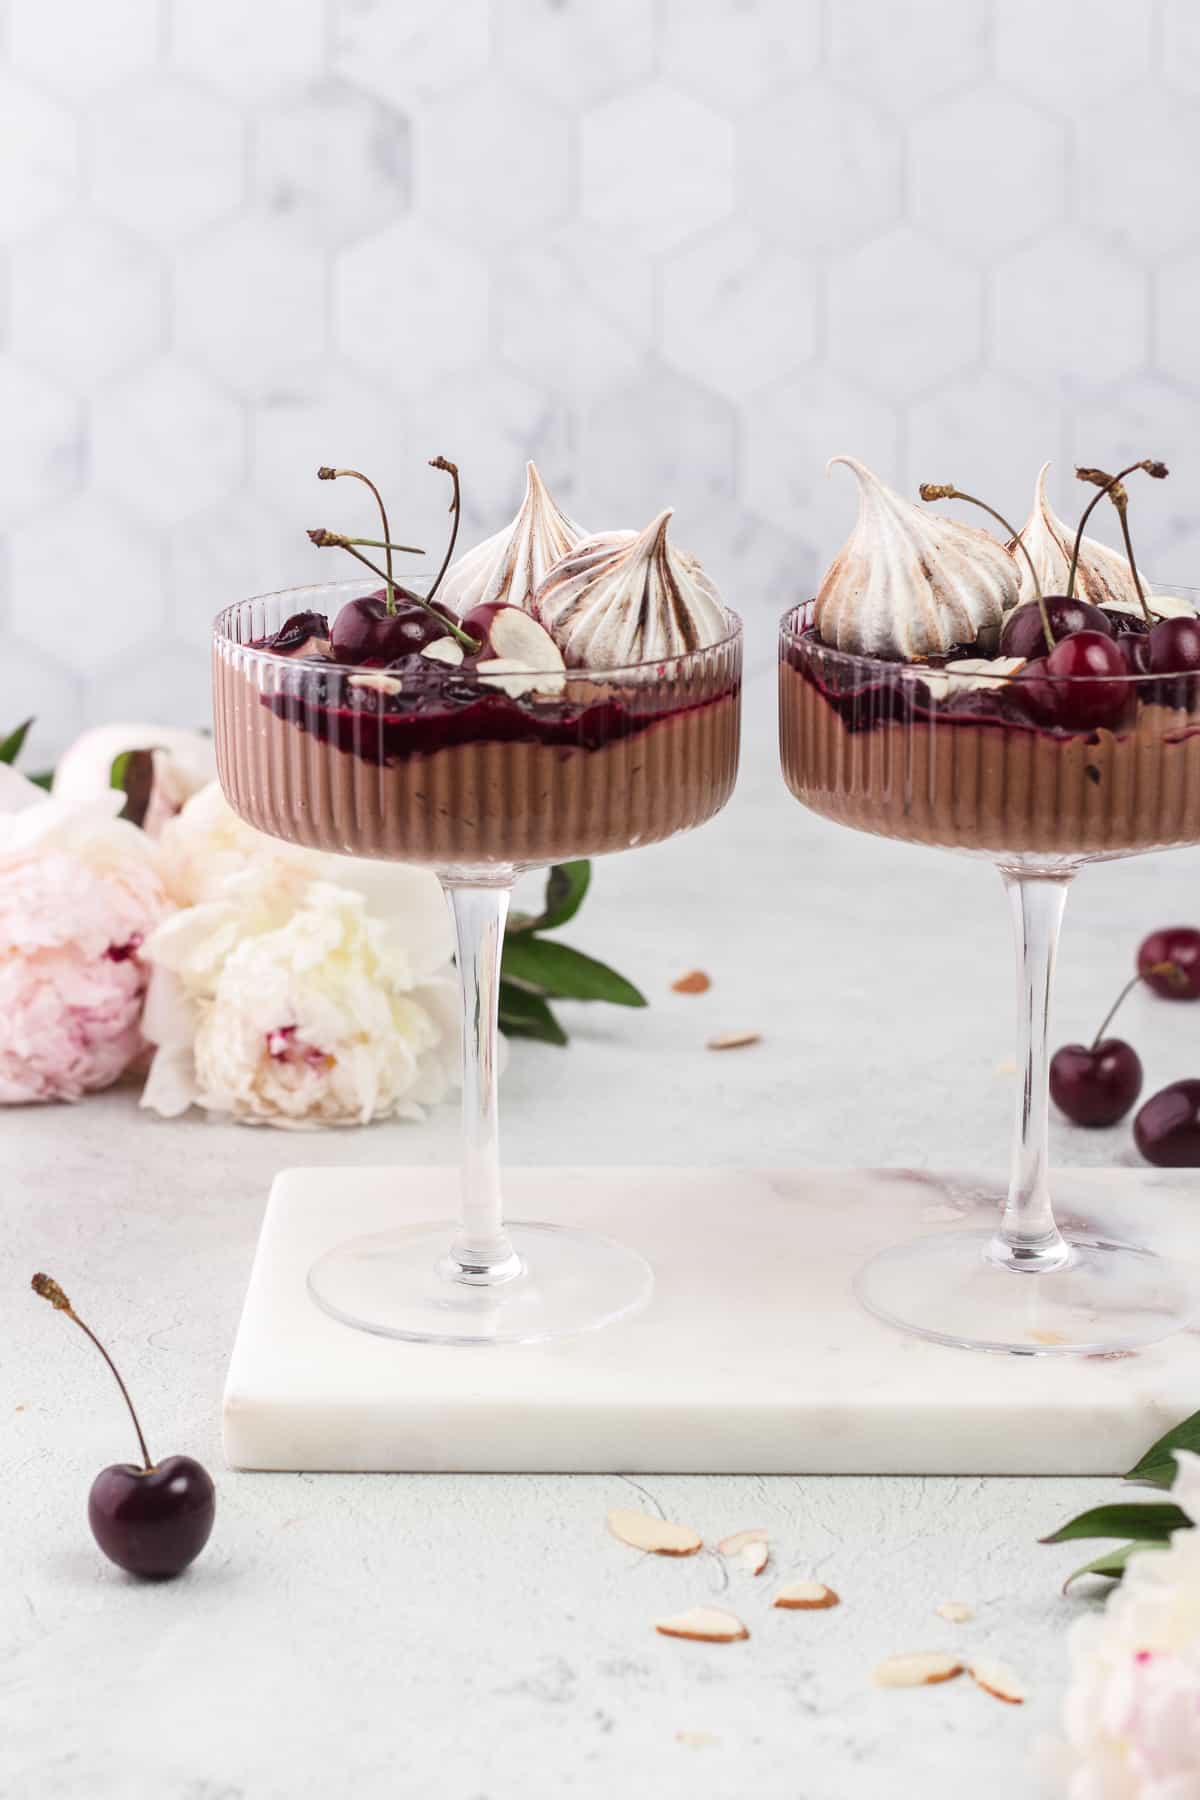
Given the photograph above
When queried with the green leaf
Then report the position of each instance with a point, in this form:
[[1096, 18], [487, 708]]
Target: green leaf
[[43, 779], [523, 1014], [10, 746], [116, 773], [566, 886], [548, 967], [1157, 1467], [1125, 1518], [1112, 1563]]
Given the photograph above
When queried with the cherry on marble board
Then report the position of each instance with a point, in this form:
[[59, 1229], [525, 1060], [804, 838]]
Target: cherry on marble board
[[1167, 1129]]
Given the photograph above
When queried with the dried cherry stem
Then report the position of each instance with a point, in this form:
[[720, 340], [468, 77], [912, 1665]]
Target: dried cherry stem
[[440, 462], [946, 490], [48, 1288], [1111, 485], [324, 473], [1171, 970], [333, 540]]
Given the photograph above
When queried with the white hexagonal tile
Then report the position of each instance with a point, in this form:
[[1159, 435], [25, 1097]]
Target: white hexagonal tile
[[989, 434], [410, 304], [1177, 338], [574, 311], [248, 300], [819, 168], [987, 171], [1065, 309], [165, 158], [655, 166], [1073, 51], [43, 460], [903, 313], [656, 441], [408, 53], [789, 432], [332, 163], [924, 50], [1133, 200], [575, 54], [85, 300], [35, 683], [170, 684], [77, 49], [249, 51], [166, 441], [731, 52], [39, 158], [1147, 415], [736, 312], [1181, 44], [491, 163], [759, 569], [227, 554], [113, 597]]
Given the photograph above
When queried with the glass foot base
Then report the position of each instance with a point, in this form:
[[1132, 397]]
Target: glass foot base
[[1106, 1297], [394, 1284]]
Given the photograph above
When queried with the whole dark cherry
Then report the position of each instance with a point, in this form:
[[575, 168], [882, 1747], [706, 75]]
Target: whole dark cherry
[[366, 633], [1173, 647], [1025, 635], [153, 1520], [1135, 648], [1169, 962], [1077, 686], [1167, 1129], [1095, 1084]]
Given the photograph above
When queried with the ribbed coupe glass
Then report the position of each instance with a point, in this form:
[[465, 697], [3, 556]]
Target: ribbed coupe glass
[[1039, 780], [447, 768]]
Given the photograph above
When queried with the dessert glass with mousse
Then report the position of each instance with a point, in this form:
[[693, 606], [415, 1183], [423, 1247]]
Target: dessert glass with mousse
[[1029, 702], [551, 695]]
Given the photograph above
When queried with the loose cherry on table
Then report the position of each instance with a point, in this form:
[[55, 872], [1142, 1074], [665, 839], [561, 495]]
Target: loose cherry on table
[[1167, 1129], [154, 1520], [1169, 962], [1095, 1084]]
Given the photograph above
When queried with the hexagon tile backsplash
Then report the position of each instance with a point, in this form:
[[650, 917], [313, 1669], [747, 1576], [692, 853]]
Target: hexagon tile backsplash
[[677, 250]]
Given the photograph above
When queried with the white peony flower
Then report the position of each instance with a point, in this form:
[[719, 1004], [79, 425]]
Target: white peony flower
[[294, 988], [1132, 1712], [184, 761]]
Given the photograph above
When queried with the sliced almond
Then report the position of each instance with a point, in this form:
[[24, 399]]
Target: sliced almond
[[998, 1680], [755, 1557], [515, 634], [805, 1596], [922, 1668], [377, 681], [736, 1542], [444, 650], [704, 1625], [957, 1612], [517, 678], [734, 1040], [694, 982], [642, 1531]]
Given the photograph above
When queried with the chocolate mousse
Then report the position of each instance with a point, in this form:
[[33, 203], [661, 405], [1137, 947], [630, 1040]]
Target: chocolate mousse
[[545, 700], [902, 714]]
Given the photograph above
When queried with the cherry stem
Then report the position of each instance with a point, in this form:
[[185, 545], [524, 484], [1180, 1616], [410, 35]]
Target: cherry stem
[[1106, 486], [1169, 969], [1122, 514], [378, 544], [330, 540], [440, 462], [48, 1288], [327, 474], [947, 491]]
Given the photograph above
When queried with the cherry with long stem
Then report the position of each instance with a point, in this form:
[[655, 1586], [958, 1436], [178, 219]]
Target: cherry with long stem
[[1111, 485], [48, 1288], [946, 490]]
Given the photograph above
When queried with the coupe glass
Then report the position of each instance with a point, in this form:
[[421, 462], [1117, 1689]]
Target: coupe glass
[[448, 770], [958, 762]]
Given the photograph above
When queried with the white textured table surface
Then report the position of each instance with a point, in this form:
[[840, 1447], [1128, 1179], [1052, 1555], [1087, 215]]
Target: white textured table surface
[[481, 1638]]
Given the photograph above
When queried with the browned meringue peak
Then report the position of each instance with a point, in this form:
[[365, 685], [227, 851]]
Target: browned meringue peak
[[909, 582], [626, 597], [509, 565], [1103, 576]]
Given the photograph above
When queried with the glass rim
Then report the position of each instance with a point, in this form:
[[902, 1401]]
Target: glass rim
[[355, 589], [883, 667]]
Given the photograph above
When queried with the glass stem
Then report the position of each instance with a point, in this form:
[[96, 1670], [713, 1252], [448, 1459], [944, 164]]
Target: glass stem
[[1029, 1241], [481, 1253]]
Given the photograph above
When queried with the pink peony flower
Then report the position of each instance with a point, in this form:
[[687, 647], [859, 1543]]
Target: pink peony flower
[[79, 893]]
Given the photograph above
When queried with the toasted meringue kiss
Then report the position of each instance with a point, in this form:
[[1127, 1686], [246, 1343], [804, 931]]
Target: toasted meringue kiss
[[909, 582], [511, 563], [1103, 576], [627, 597]]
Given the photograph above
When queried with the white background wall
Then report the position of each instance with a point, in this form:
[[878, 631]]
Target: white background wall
[[677, 250]]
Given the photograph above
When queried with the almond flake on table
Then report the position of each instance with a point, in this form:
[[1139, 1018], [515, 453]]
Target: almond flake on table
[[920, 1668], [694, 982], [703, 1625], [957, 1612], [737, 1541], [734, 1040], [806, 1596], [658, 1537], [998, 1680]]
